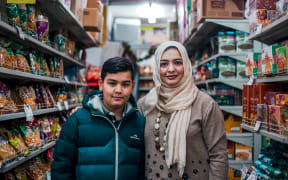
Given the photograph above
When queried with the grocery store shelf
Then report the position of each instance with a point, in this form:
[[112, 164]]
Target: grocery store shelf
[[238, 164], [8, 73], [236, 110], [271, 135], [272, 79], [144, 89], [233, 83], [21, 160], [77, 84], [241, 138], [64, 18], [143, 78], [31, 42], [238, 56], [275, 32], [13, 116], [210, 27]]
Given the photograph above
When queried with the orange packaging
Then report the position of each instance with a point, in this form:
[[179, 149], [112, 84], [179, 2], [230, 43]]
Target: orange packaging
[[232, 124], [282, 99], [282, 59], [252, 104], [243, 152], [278, 119]]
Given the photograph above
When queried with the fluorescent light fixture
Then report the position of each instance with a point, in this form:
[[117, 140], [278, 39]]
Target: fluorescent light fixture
[[151, 12]]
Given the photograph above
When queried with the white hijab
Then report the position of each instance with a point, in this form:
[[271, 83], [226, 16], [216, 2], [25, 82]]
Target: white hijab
[[176, 100]]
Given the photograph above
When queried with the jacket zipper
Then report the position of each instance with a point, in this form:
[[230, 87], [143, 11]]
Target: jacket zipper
[[116, 142]]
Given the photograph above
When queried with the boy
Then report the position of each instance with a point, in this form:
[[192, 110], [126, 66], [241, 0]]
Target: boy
[[105, 139]]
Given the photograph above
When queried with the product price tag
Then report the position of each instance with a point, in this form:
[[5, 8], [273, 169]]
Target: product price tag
[[251, 80], [66, 105], [66, 79], [20, 32], [21, 1], [257, 126], [28, 113], [243, 172], [259, 28], [59, 106]]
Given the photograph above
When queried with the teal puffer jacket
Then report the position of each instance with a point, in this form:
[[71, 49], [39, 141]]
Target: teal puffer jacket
[[90, 147]]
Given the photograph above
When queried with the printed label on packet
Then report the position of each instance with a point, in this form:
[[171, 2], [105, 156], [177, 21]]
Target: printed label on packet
[[66, 105], [28, 113], [21, 1]]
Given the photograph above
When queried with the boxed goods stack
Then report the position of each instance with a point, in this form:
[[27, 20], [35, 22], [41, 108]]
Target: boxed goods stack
[[92, 16], [228, 9]]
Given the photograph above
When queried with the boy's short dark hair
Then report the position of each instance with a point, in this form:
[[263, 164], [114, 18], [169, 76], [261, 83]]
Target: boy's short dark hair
[[115, 65]]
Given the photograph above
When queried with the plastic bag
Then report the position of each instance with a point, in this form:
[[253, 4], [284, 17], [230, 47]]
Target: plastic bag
[[6, 150], [16, 140], [31, 23], [23, 16], [5, 58], [13, 14], [22, 64], [42, 26]]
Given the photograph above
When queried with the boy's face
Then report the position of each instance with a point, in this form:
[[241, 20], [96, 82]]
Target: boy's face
[[117, 88]]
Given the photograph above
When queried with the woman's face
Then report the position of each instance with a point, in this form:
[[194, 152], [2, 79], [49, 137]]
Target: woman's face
[[171, 67]]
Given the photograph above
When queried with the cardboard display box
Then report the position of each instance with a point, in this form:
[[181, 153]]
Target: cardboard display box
[[95, 4], [226, 9], [92, 19]]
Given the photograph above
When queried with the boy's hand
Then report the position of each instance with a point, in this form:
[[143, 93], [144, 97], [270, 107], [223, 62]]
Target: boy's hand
[[74, 110]]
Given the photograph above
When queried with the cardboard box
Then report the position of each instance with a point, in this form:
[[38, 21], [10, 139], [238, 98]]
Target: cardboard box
[[241, 66], [245, 100], [227, 9], [252, 63], [95, 4], [269, 60], [91, 19], [282, 99], [262, 115], [282, 59], [278, 119], [243, 152]]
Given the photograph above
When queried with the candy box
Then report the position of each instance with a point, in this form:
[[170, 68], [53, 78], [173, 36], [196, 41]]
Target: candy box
[[278, 119], [252, 63], [282, 99], [282, 59], [243, 152], [269, 60]]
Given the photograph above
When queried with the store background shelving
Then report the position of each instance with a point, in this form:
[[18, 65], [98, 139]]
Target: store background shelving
[[54, 9], [199, 39]]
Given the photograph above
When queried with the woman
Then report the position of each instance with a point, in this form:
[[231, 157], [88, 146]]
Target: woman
[[184, 134]]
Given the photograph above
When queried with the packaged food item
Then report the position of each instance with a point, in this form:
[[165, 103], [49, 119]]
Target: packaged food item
[[52, 67], [243, 43], [23, 16], [243, 152], [61, 42], [42, 26], [282, 99], [262, 115], [50, 97], [31, 23], [45, 129], [13, 14], [22, 63], [278, 119], [227, 68], [20, 173], [12, 59], [33, 170], [55, 126], [5, 58], [45, 96], [232, 124], [271, 16], [36, 131], [16, 140], [241, 67], [282, 59], [31, 137], [282, 8], [269, 60], [231, 150], [252, 65], [27, 97], [227, 42], [33, 63], [6, 150], [45, 68]]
